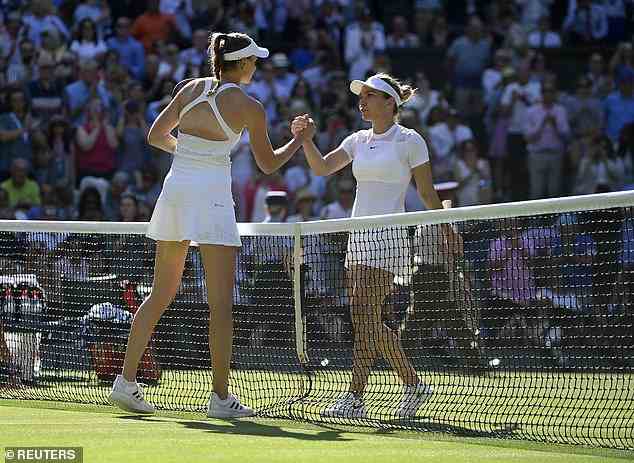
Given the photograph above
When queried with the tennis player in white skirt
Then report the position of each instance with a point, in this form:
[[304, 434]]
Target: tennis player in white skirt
[[196, 206], [383, 158]]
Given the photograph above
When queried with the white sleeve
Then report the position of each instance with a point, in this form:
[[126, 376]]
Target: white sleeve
[[349, 145], [507, 94], [417, 152]]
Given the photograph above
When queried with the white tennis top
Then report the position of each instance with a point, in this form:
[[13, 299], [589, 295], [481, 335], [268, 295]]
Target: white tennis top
[[382, 165]]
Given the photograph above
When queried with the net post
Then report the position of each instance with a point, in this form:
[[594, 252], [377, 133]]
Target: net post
[[298, 260]]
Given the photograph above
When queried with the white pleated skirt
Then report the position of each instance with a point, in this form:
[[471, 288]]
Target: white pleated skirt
[[195, 204]]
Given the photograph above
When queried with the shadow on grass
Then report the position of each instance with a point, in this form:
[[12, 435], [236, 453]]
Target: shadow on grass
[[250, 428]]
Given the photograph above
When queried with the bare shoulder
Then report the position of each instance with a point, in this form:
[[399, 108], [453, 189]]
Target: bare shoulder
[[189, 91]]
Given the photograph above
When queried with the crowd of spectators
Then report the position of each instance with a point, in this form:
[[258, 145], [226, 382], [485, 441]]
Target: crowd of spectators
[[81, 82]]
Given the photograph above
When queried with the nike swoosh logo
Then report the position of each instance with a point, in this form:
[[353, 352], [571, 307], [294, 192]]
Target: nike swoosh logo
[[372, 147]]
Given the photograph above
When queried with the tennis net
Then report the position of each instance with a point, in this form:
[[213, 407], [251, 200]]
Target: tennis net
[[523, 330]]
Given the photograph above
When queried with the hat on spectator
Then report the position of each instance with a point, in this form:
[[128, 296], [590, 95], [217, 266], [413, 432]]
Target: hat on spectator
[[280, 60], [276, 198]]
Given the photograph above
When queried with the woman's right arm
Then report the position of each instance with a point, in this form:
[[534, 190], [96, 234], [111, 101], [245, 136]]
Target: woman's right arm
[[267, 159], [321, 165]]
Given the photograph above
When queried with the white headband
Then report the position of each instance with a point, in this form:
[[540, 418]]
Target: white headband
[[377, 84], [250, 50]]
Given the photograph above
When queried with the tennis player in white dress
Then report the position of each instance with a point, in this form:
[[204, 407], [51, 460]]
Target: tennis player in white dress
[[384, 159], [196, 206]]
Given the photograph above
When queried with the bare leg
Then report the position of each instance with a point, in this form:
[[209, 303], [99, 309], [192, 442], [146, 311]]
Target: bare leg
[[168, 270], [370, 286], [220, 266]]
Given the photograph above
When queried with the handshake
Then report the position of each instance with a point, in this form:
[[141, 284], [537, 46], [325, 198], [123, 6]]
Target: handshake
[[303, 127]]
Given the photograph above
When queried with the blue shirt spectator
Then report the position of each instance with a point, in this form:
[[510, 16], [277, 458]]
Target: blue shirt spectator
[[77, 94], [618, 107], [130, 50]]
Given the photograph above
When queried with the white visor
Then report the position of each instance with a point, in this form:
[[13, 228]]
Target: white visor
[[250, 50], [377, 84]]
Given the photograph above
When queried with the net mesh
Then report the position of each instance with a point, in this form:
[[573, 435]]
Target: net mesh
[[525, 332]]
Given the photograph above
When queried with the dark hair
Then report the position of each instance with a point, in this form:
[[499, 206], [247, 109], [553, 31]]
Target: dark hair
[[80, 29], [219, 44], [89, 192], [405, 92], [68, 132]]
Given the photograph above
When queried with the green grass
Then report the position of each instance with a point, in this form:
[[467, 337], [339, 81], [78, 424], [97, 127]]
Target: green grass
[[580, 408], [107, 435]]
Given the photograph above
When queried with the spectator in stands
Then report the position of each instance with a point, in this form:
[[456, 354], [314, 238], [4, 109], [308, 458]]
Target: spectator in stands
[[425, 98], [304, 207], [24, 193], [96, 143], [90, 206], [53, 45], [401, 37], [546, 130], [132, 131], [600, 170], [183, 12], [618, 107], [492, 77], [170, 66], [162, 97], [46, 91], [586, 22], [119, 186], [507, 30], [283, 80], [196, 55], [147, 187], [440, 36], [129, 210], [516, 99], [130, 51], [445, 136], [544, 36], [468, 57], [39, 17], [60, 141], [473, 175], [79, 93], [153, 27], [66, 70], [363, 39], [277, 206], [11, 33], [43, 163], [23, 66], [585, 111], [87, 45], [600, 80], [341, 208]]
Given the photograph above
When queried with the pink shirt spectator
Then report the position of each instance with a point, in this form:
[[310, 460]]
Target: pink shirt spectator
[[552, 136], [511, 278]]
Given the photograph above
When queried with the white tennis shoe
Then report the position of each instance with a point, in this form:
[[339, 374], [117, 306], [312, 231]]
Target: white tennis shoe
[[228, 408], [346, 406], [129, 396], [414, 396]]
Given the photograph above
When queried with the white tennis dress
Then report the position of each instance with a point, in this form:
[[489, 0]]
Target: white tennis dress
[[382, 165], [196, 202]]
